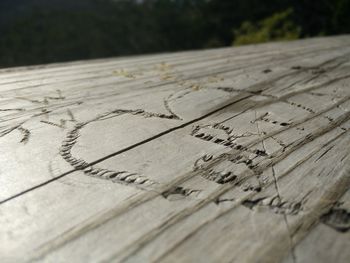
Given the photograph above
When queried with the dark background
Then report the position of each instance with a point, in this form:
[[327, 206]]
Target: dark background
[[43, 31]]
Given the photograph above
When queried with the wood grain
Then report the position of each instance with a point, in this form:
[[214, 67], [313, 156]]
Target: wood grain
[[223, 155]]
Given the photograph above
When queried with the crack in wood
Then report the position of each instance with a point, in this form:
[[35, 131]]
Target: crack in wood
[[266, 71], [338, 219], [178, 192], [276, 205], [14, 109], [243, 91], [219, 201], [279, 201], [323, 154], [6, 131]]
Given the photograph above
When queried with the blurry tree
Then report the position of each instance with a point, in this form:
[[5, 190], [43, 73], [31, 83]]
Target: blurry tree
[[276, 27], [41, 31]]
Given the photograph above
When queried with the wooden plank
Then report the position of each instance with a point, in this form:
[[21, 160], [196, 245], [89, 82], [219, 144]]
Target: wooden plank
[[230, 155], [329, 237]]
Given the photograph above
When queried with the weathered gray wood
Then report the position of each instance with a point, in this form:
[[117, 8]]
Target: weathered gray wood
[[224, 155]]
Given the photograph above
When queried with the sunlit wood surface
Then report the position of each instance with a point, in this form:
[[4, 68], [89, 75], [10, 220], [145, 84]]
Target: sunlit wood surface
[[225, 155]]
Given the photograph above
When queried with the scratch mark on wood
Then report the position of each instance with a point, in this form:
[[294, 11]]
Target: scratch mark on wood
[[266, 119], [124, 177], [70, 114], [26, 133], [167, 107], [221, 177], [227, 142], [298, 105], [31, 100], [61, 125], [79, 164], [59, 97]]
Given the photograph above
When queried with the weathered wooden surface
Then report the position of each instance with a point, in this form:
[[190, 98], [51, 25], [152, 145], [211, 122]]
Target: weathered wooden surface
[[228, 155]]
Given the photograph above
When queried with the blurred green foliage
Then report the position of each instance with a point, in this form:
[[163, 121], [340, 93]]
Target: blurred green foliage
[[274, 28], [44, 33]]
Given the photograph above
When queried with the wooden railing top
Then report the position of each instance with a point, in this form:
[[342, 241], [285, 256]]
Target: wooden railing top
[[223, 155]]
